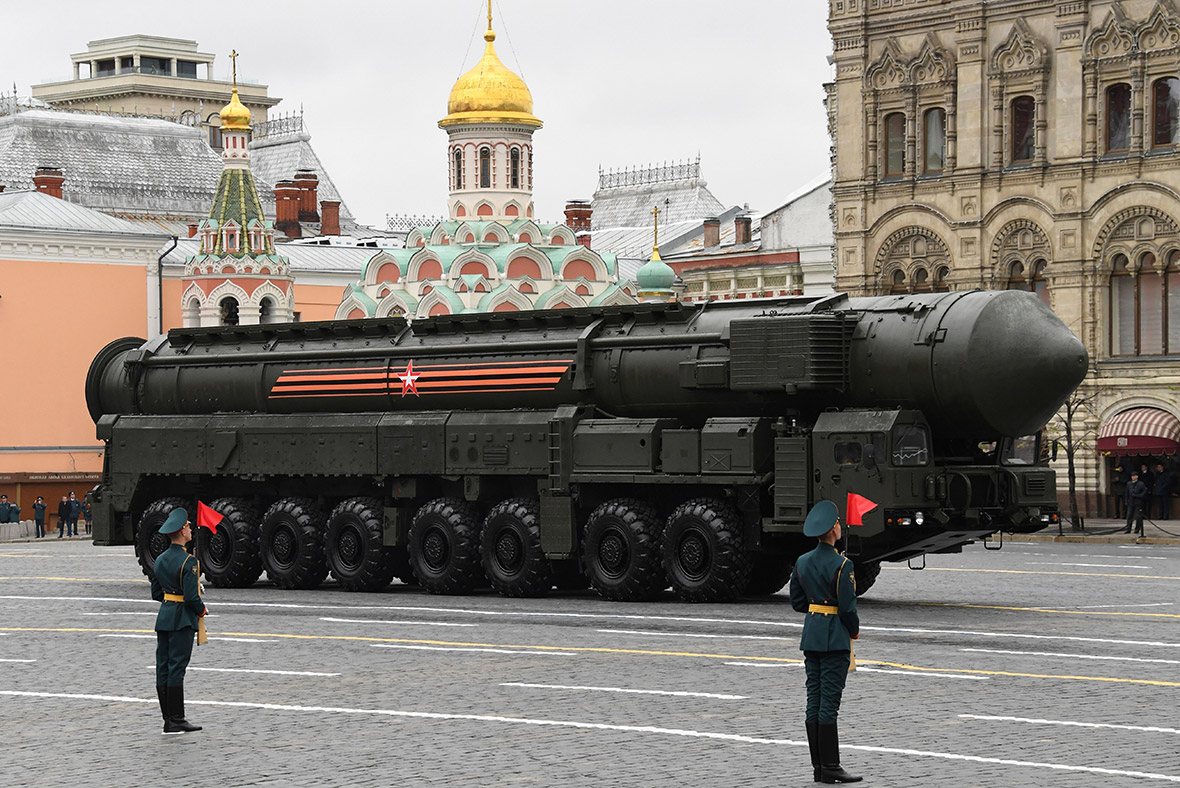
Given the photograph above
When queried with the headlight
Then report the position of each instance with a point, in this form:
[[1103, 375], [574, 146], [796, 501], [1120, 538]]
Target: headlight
[[919, 518]]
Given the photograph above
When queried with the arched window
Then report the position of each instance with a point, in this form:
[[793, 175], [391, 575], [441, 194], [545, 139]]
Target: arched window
[[514, 169], [921, 280], [897, 283], [485, 168], [934, 141], [1031, 278], [192, 313], [231, 240], [1143, 308], [894, 145], [1118, 117], [1166, 102], [458, 169], [1024, 110], [229, 311], [940, 284], [266, 310]]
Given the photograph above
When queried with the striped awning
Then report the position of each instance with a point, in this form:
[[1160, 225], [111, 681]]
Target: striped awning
[[1140, 431]]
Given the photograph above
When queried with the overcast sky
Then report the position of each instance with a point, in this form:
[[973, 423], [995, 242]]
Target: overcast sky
[[617, 83]]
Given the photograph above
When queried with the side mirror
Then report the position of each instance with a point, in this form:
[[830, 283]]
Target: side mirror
[[1056, 448], [869, 457]]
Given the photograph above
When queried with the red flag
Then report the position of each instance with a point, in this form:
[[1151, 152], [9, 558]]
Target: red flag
[[858, 507], [208, 518]]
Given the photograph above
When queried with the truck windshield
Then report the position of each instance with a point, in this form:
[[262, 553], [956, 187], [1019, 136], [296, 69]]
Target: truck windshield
[[1020, 451], [911, 445]]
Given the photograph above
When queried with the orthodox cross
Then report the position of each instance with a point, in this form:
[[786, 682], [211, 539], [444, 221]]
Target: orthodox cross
[[656, 227], [489, 14], [234, 57]]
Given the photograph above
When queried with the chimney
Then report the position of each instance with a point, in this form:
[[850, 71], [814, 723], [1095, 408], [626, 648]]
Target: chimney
[[330, 223], [287, 201], [49, 180], [577, 215], [308, 182], [712, 232], [741, 230], [192, 229], [584, 239], [1, 187]]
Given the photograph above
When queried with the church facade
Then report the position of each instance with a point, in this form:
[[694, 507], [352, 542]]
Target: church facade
[[491, 255], [1025, 145]]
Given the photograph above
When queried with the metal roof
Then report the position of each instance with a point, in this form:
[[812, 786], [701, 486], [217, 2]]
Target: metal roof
[[275, 159], [35, 210], [303, 259]]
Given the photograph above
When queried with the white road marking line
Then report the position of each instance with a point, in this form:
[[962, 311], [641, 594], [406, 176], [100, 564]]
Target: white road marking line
[[1066, 563], [1072, 638], [672, 693], [134, 613], [406, 621], [18, 660], [640, 729], [1137, 558], [920, 673], [477, 650], [1146, 604], [247, 670], [690, 634], [427, 609], [1074, 656], [144, 637], [1072, 724]]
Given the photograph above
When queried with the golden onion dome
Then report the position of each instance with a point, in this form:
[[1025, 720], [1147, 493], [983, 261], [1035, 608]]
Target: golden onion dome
[[490, 93], [235, 116]]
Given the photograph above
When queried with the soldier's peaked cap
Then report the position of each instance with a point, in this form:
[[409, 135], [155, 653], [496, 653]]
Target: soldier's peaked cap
[[175, 521], [821, 519]]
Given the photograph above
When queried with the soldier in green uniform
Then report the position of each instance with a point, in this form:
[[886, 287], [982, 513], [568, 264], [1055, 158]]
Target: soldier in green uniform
[[176, 586], [822, 587]]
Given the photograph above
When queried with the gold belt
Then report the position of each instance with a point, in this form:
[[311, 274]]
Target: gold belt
[[827, 610], [173, 597]]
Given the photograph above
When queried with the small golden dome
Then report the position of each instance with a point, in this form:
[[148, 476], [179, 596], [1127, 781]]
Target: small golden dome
[[235, 116], [490, 93]]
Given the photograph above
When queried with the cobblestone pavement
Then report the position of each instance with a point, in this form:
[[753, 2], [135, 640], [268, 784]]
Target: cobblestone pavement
[[1039, 665]]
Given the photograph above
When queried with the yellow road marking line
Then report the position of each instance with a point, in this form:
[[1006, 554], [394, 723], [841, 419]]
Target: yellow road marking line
[[637, 652], [1049, 610], [1040, 572]]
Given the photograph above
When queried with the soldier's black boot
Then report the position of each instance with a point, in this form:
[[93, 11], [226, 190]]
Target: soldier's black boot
[[813, 745], [176, 722], [162, 694], [830, 770]]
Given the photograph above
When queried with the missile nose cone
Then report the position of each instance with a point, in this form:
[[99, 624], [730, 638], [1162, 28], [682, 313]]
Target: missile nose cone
[[1022, 363]]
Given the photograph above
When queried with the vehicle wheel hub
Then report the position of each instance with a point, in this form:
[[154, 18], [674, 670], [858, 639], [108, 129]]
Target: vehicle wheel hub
[[694, 556], [509, 551], [349, 548], [434, 549], [612, 554], [284, 546]]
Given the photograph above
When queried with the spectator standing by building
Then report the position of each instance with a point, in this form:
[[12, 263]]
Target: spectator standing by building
[[1162, 487], [75, 510], [1118, 488], [5, 508], [63, 515], [39, 516], [1136, 495], [88, 515], [1148, 479]]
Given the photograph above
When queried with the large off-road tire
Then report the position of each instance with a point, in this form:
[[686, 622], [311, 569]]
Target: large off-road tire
[[231, 558], [621, 551], [769, 574], [353, 543], [149, 542], [865, 574], [703, 551], [513, 560], [293, 544], [444, 547]]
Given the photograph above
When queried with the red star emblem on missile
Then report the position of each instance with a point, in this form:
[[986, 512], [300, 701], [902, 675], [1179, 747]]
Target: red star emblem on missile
[[409, 380]]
